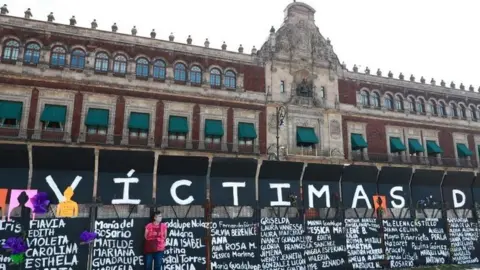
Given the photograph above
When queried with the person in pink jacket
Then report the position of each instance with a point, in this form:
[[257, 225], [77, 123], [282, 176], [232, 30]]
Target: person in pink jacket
[[155, 242]]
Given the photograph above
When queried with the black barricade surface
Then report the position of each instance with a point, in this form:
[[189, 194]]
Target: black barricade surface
[[426, 193], [185, 244], [234, 244], [55, 244], [364, 245], [57, 168], [399, 236], [14, 166], [232, 181], [125, 177], [120, 243], [457, 192], [7, 229], [282, 243], [325, 247], [279, 183], [431, 243], [181, 180], [463, 235], [321, 186], [394, 184]]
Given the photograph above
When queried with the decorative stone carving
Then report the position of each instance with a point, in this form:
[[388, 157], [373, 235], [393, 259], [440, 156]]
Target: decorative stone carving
[[422, 79], [171, 37], [240, 49], [305, 89], [50, 17], [367, 70], [433, 82], [114, 28], [335, 129], [442, 83], [412, 78], [207, 43], [153, 34], [224, 46], [254, 50], [462, 87], [355, 68], [344, 66], [28, 14], [452, 85], [73, 21], [272, 30], [379, 72], [390, 74], [401, 76], [94, 24], [189, 40], [4, 10], [134, 31], [471, 89]]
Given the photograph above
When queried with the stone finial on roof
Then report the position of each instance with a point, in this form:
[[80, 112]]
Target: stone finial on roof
[[433, 82], [462, 87], [390, 74], [355, 68], [452, 85], [134, 31], [272, 30], [412, 78], [240, 49], [329, 42], [171, 37], [94, 24], [478, 89], [442, 83], [224, 46], [4, 10], [207, 43], [379, 72], [344, 66], [189, 40], [50, 17], [28, 14], [254, 50], [367, 70], [114, 28], [471, 89], [153, 34], [422, 79], [401, 76], [73, 21]]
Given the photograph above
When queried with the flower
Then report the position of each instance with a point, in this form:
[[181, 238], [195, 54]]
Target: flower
[[16, 245], [40, 203], [87, 237], [17, 258]]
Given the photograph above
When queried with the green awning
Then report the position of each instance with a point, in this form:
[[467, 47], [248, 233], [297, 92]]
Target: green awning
[[178, 124], [415, 146], [306, 135], [139, 121], [213, 128], [463, 150], [246, 131], [11, 110], [433, 148], [54, 113], [396, 145], [97, 117], [357, 141]]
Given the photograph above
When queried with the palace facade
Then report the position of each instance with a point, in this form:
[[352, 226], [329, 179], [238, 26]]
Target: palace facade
[[292, 99]]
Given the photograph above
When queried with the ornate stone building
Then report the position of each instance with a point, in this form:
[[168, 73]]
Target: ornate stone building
[[291, 100]]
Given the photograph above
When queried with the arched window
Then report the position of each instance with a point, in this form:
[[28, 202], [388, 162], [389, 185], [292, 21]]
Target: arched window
[[120, 64], [376, 99], [365, 98], [32, 54], [453, 109], [230, 80], [10, 50], [388, 102], [180, 72], [473, 113], [58, 57], [432, 106], [78, 59], [142, 67], [463, 112], [443, 109], [159, 70], [421, 106], [399, 103], [101, 62], [215, 78], [412, 105], [196, 75]]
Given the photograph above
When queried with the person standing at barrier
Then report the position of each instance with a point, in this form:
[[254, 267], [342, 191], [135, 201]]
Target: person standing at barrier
[[155, 242]]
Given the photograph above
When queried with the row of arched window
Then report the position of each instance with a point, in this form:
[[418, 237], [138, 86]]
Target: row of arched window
[[418, 105], [58, 58]]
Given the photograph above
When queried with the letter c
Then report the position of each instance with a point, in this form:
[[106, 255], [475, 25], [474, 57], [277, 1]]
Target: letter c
[[173, 192]]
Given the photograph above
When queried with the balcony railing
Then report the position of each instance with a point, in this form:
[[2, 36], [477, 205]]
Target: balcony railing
[[415, 160]]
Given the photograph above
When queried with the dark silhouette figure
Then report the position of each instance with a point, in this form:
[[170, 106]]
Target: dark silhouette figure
[[21, 213]]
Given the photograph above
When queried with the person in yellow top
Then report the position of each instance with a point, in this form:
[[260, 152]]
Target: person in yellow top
[[67, 208]]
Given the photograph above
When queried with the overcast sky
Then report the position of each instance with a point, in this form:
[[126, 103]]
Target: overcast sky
[[430, 38]]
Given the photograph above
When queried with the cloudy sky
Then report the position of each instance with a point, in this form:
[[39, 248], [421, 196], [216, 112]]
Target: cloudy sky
[[430, 38]]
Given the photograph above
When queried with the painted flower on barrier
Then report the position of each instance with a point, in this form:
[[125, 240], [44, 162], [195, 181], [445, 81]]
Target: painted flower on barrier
[[17, 247], [293, 199], [87, 237], [40, 203]]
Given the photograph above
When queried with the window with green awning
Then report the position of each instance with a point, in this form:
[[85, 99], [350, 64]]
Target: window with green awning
[[357, 141], [213, 128], [11, 110], [463, 151], [97, 117], [415, 146], [433, 148], [247, 131], [396, 145], [54, 113], [139, 121], [306, 135], [178, 124]]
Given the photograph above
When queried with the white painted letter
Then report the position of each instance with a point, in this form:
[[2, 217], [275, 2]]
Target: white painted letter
[[397, 197], [318, 193], [235, 186], [126, 189], [173, 192], [456, 203], [358, 196], [280, 201]]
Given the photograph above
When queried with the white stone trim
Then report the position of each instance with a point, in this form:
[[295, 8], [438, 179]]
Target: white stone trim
[[213, 113], [139, 106], [357, 128], [177, 109], [245, 116], [101, 102], [25, 98]]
